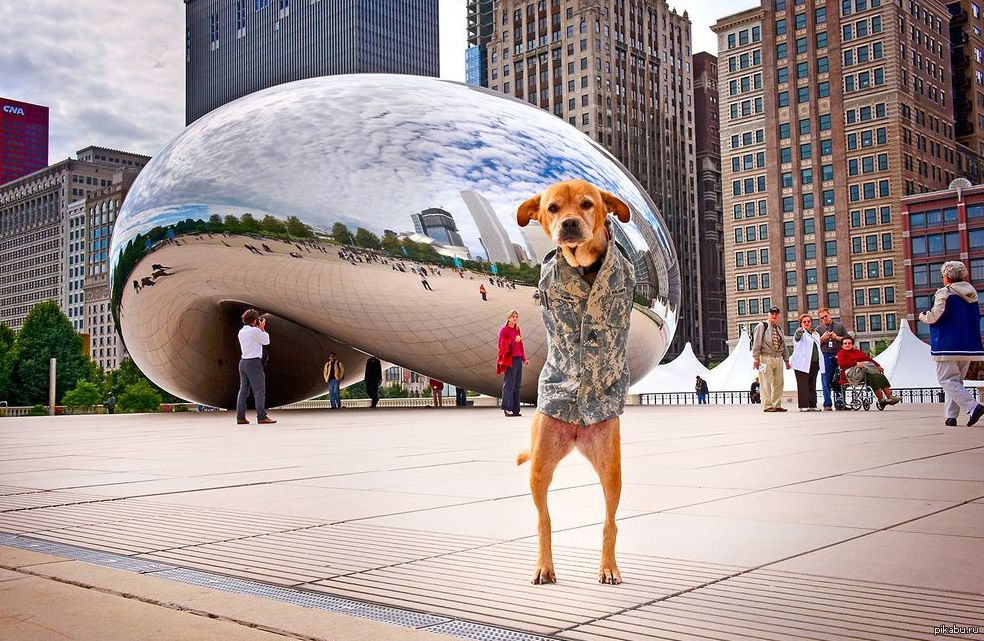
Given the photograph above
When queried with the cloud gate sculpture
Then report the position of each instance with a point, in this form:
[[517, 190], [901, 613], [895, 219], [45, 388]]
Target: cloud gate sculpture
[[323, 202]]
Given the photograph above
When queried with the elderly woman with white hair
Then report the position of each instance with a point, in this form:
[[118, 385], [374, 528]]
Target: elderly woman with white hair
[[955, 340]]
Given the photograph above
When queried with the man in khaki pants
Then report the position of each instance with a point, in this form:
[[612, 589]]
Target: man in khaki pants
[[769, 349]]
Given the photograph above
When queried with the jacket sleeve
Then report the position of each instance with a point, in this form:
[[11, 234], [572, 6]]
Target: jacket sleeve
[[939, 306], [325, 372], [341, 370], [505, 345], [757, 342]]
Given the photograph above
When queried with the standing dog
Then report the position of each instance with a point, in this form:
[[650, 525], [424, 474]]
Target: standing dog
[[586, 295]]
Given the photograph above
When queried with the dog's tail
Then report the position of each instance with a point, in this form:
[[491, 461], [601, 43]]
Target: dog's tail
[[523, 457]]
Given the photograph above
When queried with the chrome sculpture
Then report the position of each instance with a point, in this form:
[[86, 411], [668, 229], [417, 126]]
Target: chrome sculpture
[[318, 202]]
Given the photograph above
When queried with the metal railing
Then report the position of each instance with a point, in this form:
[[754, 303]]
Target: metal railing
[[908, 395]]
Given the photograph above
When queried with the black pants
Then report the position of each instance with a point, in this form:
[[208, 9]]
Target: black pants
[[510, 386], [806, 385], [372, 388]]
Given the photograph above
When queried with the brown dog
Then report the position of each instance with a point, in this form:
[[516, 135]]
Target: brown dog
[[586, 298]]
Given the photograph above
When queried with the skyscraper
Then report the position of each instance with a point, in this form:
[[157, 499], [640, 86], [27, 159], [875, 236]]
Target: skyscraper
[[493, 236], [711, 223], [23, 139], [621, 73], [830, 114], [480, 30], [236, 47]]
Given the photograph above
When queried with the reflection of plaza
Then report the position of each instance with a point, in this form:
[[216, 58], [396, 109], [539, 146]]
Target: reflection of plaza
[[322, 301]]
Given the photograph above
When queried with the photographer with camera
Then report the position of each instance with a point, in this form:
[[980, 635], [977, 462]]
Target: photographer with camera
[[252, 338]]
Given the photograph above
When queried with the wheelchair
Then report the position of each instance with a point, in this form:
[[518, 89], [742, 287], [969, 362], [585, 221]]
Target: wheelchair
[[854, 397]]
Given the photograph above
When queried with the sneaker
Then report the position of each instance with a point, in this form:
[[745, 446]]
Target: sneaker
[[950, 422], [976, 415], [814, 409], [266, 421], [241, 421], [894, 400], [804, 409]]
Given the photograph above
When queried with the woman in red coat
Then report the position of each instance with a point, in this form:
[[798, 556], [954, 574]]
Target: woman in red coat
[[510, 362], [849, 356]]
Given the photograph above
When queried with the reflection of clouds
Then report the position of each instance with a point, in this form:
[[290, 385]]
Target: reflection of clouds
[[371, 149]]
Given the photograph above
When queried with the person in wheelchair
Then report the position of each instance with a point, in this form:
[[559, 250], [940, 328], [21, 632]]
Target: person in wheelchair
[[858, 368]]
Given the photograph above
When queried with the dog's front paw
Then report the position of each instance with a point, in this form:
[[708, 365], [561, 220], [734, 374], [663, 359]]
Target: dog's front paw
[[544, 574], [609, 575]]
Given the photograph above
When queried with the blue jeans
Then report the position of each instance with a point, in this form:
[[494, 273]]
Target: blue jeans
[[701, 399], [510, 386], [829, 364], [334, 398]]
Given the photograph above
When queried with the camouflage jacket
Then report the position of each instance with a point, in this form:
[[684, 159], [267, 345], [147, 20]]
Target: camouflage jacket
[[586, 375]]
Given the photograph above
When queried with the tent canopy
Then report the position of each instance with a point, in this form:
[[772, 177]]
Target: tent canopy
[[679, 375]]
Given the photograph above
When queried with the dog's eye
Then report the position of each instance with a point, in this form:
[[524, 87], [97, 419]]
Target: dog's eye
[[553, 208], [587, 204]]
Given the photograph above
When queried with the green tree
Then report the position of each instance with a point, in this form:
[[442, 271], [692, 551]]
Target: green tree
[[365, 238], [140, 397], [341, 233], [232, 225], [392, 244], [215, 223], [394, 390], [249, 224], [273, 226], [127, 374], [85, 395], [7, 338], [47, 333], [355, 390], [298, 229]]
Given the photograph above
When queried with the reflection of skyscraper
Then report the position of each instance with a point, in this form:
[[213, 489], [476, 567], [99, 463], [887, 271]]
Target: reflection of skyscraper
[[537, 241], [495, 240], [439, 225]]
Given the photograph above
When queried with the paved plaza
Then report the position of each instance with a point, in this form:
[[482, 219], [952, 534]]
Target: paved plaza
[[416, 524]]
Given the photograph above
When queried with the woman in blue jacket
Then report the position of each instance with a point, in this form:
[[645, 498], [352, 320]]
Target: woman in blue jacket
[[955, 339]]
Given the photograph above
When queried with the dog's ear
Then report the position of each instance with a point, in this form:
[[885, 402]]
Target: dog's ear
[[529, 210], [616, 206]]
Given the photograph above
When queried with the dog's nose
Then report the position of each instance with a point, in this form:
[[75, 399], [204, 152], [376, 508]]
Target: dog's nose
[[570, 223]]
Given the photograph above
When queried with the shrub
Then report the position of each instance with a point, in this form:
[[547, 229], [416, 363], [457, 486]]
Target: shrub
[[140, 397], [38, 410], [83, 397]]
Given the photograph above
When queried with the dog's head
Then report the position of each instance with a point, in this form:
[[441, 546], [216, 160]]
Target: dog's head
[[573, 213]]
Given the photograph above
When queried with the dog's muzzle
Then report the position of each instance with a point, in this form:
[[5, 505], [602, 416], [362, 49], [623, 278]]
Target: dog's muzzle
[[570, 230]]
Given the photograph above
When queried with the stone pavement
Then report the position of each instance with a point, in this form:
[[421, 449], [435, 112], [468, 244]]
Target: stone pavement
[[416, 524]]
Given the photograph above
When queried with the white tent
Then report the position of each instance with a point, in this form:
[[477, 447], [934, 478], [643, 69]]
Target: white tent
[[679, 375], [907, 361], [735, 373]]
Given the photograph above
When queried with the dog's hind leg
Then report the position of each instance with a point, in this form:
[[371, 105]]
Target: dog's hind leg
[[552, 441], [602, 446]]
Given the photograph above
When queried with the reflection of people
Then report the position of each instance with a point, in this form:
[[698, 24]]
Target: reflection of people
[[423, 281], [437, 387], [831, 334], [510, 362], [252, 338], [807, 363], [873, 375], [701, 388], [334, 372], [481, 290], [754, 396], [374, 374], [769, 349], [955, 340], [110, 403]]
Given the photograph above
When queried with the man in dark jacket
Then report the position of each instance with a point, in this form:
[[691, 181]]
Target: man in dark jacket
[[955, 339], [374, 374]]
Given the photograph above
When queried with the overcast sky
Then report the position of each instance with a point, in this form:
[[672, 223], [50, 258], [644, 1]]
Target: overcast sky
[[112, 71]]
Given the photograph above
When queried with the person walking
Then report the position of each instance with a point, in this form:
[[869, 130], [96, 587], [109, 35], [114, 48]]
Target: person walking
[[423, 281], [955, 340], [481, 290], [437, 389], [374, 374], [701, 388], [807, 362], [510, 362], [831, 335], [769, 350], [334, 372], [252, 337]]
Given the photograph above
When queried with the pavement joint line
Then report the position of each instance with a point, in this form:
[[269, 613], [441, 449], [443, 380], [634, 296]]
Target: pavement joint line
[[774, 562], [440, 624]]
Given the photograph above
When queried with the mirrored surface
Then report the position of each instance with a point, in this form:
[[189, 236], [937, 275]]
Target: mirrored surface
[[326, 203]]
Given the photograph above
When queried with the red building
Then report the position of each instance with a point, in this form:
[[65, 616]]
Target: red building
[[23, 139], [940, 226]]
